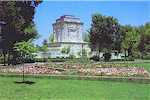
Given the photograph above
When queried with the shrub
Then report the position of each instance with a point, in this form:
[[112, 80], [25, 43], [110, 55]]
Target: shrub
[[130, 58], [29, 60], [71, 56], [95, 58], [146, 57], [1, 60], [39, 60], [58, 60], [107, 56], [117, 59]]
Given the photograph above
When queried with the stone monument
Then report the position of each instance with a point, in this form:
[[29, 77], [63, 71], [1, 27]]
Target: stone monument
[[67, 31]]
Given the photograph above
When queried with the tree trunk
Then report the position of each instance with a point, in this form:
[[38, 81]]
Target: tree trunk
[[4, 55], [99, 51], [142, 55], [82, 50], [125, 50], [130, 52], [8, 59]]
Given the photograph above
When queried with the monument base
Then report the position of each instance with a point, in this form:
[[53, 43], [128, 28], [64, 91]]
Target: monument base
[[68, 49]]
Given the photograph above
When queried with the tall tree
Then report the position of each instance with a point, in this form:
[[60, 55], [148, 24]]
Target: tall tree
[[18, 16], [144, 44], [104, 33], [125, 42], [130, 41]]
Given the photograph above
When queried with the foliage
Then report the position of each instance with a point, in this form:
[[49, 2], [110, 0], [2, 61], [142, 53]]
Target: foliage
[[107, 56], [18, 18], [71, 56], [131, 40], [136, 39], [143, 45], [51, 38], [79, 53], [65, 50], [84, 53], [105, 34], [44, 49], [95, 58], [31, 29], [26, 50]]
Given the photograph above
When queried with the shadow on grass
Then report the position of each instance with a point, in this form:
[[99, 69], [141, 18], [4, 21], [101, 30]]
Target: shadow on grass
[[24, 82]]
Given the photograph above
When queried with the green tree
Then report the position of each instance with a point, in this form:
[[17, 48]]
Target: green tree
[[66, 50], [130, 40], [18, 16], [104, 33], [26, 49], [143, 45], [44, 49]]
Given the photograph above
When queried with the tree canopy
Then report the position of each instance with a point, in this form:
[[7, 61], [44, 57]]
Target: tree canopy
[[107, 34], [19, 26], [104, 32]]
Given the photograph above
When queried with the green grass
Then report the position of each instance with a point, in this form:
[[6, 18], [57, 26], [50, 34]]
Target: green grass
[[54, 89]]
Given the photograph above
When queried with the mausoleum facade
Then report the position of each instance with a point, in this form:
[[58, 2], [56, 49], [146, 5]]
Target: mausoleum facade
[[68, 41]]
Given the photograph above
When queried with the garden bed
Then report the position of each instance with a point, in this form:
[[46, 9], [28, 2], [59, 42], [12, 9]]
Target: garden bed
[[77, 69], [115, 71], [30, 69]]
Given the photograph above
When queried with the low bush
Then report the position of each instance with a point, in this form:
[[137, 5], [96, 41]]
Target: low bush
[[95, 58], [1, 60], [117, 60], [130, 58], [39, 60], [146, 57], [29, 60], [57, 60], [107, 56]]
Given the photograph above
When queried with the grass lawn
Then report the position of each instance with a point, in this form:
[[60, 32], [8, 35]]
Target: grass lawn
[[54, 89]]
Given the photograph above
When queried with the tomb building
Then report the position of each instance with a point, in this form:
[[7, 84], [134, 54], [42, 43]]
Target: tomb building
[[67, 38]]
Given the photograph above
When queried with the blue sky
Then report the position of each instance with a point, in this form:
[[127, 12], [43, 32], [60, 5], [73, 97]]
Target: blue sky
[[134, 13]]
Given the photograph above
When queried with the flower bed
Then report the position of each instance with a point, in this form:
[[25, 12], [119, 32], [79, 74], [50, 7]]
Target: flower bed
[[32, 69], [78, 69], [115, 71]]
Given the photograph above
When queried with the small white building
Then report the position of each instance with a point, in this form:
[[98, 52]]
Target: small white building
[[68, 40]]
